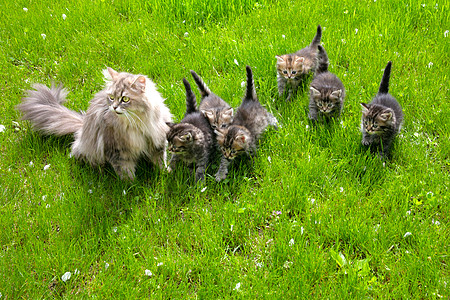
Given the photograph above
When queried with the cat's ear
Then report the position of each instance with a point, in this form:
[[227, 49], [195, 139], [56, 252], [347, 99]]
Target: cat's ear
[[113, 73], [315, 93], [336, 94], [386, 116], [365, 107], [299, 59], [139, 83], [228, 112], [241, 138], [208, 114], [280, 59]]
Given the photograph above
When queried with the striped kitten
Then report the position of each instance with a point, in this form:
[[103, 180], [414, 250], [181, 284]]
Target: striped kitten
[[327, 92], [124, 121], [293, 69], [382, 118], [192, 140], [241, 136], [215, 109]]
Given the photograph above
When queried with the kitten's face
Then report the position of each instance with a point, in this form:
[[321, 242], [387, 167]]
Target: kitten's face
[[219, 119], [125, 93], [180, 142], [233, 141], [326, 102], [289, 66], [375, 121]]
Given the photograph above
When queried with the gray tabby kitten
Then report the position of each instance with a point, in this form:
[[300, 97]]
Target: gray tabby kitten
[[293, 69], [125, 120], [215, 109], [249, 123], [327, 92], [192, 140], [382, 118]]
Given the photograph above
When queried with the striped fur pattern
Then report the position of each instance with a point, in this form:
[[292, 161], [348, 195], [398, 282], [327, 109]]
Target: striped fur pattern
[[382, 118], [124, 121]]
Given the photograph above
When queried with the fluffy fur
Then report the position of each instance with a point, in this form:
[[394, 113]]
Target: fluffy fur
[[382, 118], [293, 69], [192, 140], [249, 123], [327, 93], [124, 121], [215, 109]]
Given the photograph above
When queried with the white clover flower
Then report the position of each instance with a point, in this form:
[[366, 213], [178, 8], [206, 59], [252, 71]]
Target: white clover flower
[[307, 127], [237, 287], [291, 242], [242, 83], [446, 33], [159, 264], [46, 167], [148, 273], [430, 64], [66, 276], [186, 34], [341, 189], [25, 9], [2, 128], [283, 36], [106, 266], [64, 16], [31, 163], [312, 200], [44, 197], [356, 30], [43, 35]]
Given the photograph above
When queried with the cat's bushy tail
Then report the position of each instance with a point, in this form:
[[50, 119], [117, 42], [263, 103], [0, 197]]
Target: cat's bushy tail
[[384, 85], [204, 90], [43, 108], [250, 93], [316, 40], [191, 103], [322, 60]]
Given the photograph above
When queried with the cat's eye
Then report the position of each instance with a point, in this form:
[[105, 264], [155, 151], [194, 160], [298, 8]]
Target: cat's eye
[[224, 126], [294, 72], [125, 99], [375, 125], [111, 97], [214, 126], [284, 72]]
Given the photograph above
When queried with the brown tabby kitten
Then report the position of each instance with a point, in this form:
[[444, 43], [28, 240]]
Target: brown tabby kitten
[[293, 69], [216, 110], [382, 118], [192, 140], [249, 123], [327, 92], [125, 120]]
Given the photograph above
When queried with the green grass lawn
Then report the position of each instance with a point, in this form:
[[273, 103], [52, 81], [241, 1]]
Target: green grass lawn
[[313, 216]]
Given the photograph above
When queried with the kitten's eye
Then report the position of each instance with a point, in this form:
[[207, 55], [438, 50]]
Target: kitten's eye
[[284, 72], [214, 126], [375, 125], [111, 97], [224, 126], [125, 99], [294, 72], [233, 151]]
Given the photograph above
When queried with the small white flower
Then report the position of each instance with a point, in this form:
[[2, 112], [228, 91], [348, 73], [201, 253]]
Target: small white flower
[[287, 264], [408, 212], [341, 189], [66, 276], [307, 127], [114, 229], [236, 62], [237, 287], [64, 16], [159, 264], [269, 159], [283, 36], [2, 128], [76, 272], [25, 9], [184, 21], [46, 167], [430, 64], [312, 200], [407, 234], [231, 227], [30, 163], [90, 191], [343, 41], [446, 33], [242, 83], [356, 30], [47, 206], [186, 34], [423, 5], [44, 197], [291, 242], [203, 189], [106, 266], [437, 223], [43, 35], [148, 273]]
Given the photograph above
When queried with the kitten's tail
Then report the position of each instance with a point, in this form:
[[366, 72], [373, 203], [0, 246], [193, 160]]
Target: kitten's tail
[[43, 108], [384, 85], [323, 60], [191, 103], [316, 40], [250, 94], [204, 90]]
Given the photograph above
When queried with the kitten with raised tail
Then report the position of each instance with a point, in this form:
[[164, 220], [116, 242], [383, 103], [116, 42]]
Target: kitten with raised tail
[[294, 69], [382, 118], [191, 141], [327, 92], [215, 109], [241, 137], [124, 121]]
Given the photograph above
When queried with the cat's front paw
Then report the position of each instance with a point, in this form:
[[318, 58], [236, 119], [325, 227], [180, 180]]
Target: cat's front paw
[[365, 142], [220, 177]]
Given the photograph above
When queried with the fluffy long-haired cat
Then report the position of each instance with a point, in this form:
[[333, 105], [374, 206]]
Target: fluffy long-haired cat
[[192, 140], [327, 92], [382, 118], [215, 109], [249, 123], [293, 69], [124, 121]]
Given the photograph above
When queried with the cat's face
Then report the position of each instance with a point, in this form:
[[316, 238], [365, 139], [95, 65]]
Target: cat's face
[[125, 93], [181, 137], [289, 66], [233, 141], [219, 119], [326, 102], [375, 120]]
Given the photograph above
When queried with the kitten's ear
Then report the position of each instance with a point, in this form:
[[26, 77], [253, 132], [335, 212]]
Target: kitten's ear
[[299, 59], [336, 94], [315, 93], [207, 113], [112, 73], [365, 107], [228, 112], [241, 138], [386, 116], [280, 59], [139, 83]]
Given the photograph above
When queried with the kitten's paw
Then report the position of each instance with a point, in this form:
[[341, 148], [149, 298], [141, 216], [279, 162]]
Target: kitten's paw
[[365, 142], [220, 177]]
